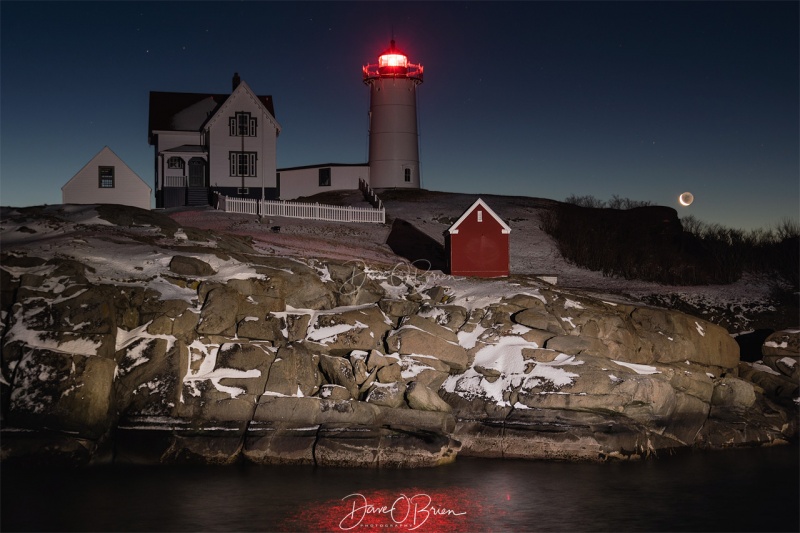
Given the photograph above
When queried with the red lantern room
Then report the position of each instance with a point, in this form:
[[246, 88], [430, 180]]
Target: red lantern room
[[393, 63]]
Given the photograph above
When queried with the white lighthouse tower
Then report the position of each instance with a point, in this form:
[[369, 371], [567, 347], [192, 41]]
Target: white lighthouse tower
[[393, 141]]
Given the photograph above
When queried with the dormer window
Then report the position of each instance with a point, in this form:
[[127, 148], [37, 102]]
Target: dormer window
[[242, 125]]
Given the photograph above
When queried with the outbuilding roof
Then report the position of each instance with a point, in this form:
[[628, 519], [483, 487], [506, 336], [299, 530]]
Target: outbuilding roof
[[109, 152], [479, 203]]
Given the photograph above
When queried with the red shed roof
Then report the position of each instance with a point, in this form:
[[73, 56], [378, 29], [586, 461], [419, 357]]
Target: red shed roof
[[479, 203]]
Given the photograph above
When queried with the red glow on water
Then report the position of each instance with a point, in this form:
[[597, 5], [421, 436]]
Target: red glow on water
[[408, 509]]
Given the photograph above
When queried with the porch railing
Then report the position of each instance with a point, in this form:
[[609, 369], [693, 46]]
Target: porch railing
[[174, 181]]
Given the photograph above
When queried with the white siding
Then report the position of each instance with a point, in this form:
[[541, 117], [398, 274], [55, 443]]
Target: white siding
[[84, 187], [393, 140], [221, 143], [296, 183], [173, 139]]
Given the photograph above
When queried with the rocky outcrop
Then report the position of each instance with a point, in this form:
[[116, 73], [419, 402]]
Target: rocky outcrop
[[777, 375], [584, 379], [781, 352], [419, 336], [216, 354]]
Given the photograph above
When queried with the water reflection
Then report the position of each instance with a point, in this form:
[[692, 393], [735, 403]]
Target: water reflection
[[737, 490]]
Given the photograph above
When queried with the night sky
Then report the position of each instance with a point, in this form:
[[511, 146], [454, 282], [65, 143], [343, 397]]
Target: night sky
[[639, 99]]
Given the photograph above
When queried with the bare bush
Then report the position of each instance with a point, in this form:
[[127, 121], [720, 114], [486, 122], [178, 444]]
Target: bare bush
[[612, 238], [585, 201], [774, 251], [616, 202], [787, 228], [548, 221], [692, 224]]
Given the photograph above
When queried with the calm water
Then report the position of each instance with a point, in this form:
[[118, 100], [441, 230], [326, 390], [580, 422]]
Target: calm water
[[736, 490]]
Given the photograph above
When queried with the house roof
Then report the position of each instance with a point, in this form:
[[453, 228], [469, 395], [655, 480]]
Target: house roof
[[165, 106], [453, 230], [186, 148], [241, 88], [106, 150], [324, 165]]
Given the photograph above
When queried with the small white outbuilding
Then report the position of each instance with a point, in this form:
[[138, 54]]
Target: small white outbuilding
[[106, 179]]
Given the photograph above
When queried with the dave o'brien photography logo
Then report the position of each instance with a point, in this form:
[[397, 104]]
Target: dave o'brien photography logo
[[408, 512]]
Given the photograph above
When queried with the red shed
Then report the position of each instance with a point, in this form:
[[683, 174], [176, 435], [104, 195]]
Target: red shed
[[477, 243]]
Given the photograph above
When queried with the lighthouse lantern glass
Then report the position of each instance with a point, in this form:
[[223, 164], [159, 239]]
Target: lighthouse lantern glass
[[392, 60]]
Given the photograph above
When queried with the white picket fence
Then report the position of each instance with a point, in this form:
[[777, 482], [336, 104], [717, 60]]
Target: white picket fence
[[245, 206], [279, 208]]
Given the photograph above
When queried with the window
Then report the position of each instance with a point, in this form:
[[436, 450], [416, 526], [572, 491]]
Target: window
[[175, 162], [242, 125], [407, 173], [325, 177], [480, 216], [243, 163], [106, 175]]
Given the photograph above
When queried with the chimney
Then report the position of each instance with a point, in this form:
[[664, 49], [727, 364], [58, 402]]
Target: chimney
[[236, 80]]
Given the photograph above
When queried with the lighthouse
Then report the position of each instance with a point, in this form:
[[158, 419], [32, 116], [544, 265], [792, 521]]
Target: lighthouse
[[393, 139]]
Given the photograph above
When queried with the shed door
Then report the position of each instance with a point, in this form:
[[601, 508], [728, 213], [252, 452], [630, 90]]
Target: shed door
[[197, 172]]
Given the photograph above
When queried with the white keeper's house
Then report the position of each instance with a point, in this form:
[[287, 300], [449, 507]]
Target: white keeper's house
[[213, 142]]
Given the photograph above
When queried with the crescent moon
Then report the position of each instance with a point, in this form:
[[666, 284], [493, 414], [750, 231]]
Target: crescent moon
[[686, 199]]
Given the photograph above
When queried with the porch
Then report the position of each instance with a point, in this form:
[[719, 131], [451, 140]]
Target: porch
[[184, 177]]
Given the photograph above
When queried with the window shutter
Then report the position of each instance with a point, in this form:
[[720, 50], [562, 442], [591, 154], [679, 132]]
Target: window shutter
[[232, 125], [252, 127], [252, 159], [232, 157]]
